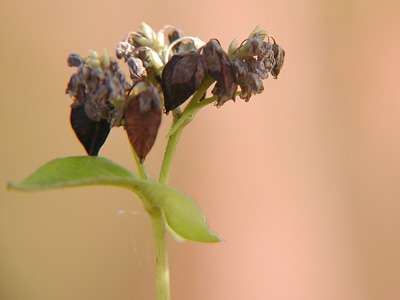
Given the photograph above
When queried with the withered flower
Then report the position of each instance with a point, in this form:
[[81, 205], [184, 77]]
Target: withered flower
[[152, 55], [181, 77], [164, 63], [142, 118], [247, 74], [253, 61], [136, 68]]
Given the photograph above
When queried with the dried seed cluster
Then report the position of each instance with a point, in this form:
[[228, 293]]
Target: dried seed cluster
[[166, 68]]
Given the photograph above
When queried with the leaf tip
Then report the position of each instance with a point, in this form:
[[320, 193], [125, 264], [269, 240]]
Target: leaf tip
[[10, 186], [216, 238]]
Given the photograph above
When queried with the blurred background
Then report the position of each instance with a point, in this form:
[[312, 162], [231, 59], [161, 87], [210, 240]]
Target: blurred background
[[302, 182]]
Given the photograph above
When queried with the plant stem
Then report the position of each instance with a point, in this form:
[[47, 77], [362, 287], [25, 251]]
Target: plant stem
[[161, 255], [174, 137], [157, 218], [140, 166], [169, 155], [159, 240]]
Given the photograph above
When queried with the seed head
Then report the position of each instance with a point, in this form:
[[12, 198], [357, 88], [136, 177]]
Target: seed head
[[95, 88]]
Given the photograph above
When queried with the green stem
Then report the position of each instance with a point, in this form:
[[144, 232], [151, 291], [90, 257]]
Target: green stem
[[161, 255], [200, 92], [140, 166], [175, 133], [169, 155], [157, 219], [193, 106], [159, 239]]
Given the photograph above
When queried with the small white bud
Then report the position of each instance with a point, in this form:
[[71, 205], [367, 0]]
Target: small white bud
[[147, 31], [232, 48]]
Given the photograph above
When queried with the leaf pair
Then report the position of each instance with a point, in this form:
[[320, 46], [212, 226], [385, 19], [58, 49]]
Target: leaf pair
[[182, 215]]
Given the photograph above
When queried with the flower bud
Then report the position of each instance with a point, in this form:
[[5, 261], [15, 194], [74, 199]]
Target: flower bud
[[74, 60], [261, 33], [232, 48], [147, 31], [105, 60], [159, 42], [156, 61]]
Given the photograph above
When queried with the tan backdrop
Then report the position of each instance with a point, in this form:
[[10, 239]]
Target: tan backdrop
[[302, 182]]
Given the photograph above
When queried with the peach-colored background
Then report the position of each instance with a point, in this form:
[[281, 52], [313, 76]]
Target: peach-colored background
[[303, 181]]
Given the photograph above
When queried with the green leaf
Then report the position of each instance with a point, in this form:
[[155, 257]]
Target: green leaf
[[77, 171], [183, 216], [181, 213]]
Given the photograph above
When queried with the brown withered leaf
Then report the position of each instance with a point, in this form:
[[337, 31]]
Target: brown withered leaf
[[219, 67], [226, 87], [91, 134], [142, 120], [181, 77]]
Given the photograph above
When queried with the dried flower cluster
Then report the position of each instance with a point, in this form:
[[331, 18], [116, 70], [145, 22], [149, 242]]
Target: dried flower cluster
[[253, 64], [95, 86], [165, 70]]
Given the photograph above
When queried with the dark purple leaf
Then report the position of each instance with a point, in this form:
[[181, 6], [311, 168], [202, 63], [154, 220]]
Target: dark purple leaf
[[91, 134], [181, 77], [219, 67]]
